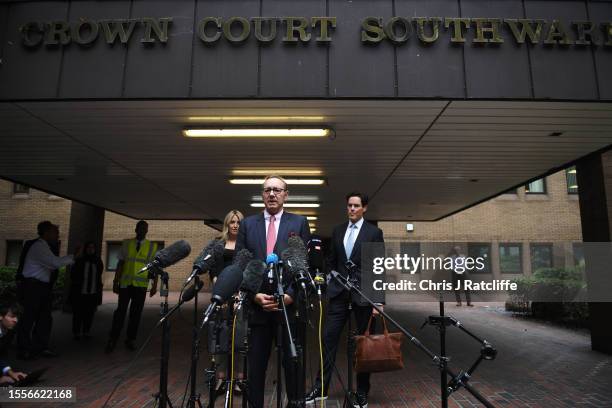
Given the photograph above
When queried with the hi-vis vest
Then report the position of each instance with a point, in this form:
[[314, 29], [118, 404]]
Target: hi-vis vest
[[135, 261]]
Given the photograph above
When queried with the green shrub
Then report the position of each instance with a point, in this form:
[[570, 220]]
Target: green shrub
[[549, 294], [8, 289]]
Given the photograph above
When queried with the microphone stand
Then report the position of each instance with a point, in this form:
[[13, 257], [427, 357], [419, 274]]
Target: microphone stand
[[457, 380], [194, 397], [280, 295], [162, 396]]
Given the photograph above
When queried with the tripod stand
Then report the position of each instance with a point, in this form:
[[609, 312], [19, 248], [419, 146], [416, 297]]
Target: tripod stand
[[457, 380]]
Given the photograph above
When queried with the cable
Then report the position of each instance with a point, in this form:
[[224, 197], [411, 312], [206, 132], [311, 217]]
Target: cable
[[231, 384], [321, 349]]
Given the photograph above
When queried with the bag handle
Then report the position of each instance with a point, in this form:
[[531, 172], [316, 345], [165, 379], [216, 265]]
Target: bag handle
[[385, 329]]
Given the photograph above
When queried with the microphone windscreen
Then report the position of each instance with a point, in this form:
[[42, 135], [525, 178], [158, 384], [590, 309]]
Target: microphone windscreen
[[315, 252], [191, 291], [172, 254], [228, 282], [242, 258], [272, 259], [253, 276], [211, 256]]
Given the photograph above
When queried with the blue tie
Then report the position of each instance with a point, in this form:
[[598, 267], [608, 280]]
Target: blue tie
[[350, 241]]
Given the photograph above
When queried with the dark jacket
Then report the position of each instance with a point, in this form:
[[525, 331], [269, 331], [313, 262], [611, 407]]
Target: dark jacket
[[5, 343], [77, 274], [337, 261], [252, 236]]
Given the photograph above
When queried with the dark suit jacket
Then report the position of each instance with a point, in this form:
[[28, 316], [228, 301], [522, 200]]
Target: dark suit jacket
[[5, 344], [337, 260], [252, 236], [76, 280]]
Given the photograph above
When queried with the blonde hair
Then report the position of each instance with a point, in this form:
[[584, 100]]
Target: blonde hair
[[228, 218]]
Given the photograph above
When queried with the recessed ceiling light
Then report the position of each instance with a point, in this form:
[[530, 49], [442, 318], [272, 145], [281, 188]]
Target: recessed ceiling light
[[257, 132], [312, 218], [313, 230], [257, 119], [290, 205], [290, 181], [312, 224]]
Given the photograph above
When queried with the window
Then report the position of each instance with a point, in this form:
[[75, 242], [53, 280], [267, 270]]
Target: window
[[572, 180], [113, 249], [541, 256], [412, 249], [578, 250], [510, 258], [536, 187], [20, 189], [13, 252], [480, 251]]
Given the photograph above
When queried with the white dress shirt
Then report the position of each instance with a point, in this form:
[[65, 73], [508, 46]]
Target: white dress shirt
[[40, 261]]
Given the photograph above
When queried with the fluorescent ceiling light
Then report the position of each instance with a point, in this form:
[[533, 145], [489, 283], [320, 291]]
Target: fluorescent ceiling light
[[282, 172], [313, 230], [291, 198], [290, 205], [259, 132], [312, 218], [290, 181], [256, 119], [312, 225]]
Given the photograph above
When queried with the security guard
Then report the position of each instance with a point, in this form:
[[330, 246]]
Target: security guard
[[131, 285]]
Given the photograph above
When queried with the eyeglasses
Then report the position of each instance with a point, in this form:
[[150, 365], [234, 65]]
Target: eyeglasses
[[276, 190]]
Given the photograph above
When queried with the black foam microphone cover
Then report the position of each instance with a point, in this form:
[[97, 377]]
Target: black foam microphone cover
[[315, 252], [253, 276], [227, 283], [172, 254], [211, 256], [242, 258]]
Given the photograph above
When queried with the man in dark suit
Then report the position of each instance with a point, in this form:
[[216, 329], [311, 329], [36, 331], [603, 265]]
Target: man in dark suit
[[345, 258], [9, 315], [263, 234]]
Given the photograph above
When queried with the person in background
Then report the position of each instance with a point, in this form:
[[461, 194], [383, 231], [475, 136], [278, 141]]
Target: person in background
[[459, 274], [85, 290], [39, 266], [9, 316], [231, 224], [131, 285]]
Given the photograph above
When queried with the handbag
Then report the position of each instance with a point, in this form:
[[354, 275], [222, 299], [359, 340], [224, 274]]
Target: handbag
[[378, 352]]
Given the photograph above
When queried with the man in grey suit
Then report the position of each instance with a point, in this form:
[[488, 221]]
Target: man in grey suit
[[263, 234], [345, 257]]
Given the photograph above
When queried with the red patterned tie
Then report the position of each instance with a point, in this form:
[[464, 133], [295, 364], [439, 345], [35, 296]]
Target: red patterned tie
[[271, 239]]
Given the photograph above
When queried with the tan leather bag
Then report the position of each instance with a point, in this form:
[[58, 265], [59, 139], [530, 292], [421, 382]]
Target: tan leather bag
[[378, 352]]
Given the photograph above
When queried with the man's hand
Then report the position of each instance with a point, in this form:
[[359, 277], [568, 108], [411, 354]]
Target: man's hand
[[268, 302], [376, 312], [17, 375]]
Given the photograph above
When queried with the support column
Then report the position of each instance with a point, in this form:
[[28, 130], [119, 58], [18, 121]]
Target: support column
[[86, 224], [594, 175]]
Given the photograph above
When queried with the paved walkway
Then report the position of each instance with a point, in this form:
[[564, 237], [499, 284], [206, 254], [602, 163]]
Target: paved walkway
[[538, 365]]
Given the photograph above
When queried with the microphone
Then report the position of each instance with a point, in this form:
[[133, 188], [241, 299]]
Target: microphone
[[295, 259], [243, 257], [168, 256], [271, 262], [252, 279], [210, 258], [226, 285], [191, 291], [315, 258]]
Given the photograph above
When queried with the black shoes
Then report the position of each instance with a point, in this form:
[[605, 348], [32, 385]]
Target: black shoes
[[315, 395], [361, 400]]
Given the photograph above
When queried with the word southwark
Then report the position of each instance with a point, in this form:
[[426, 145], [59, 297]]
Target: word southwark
[[399, 30], [265, 29]]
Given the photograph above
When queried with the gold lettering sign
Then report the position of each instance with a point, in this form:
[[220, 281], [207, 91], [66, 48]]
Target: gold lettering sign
[[397, 30]]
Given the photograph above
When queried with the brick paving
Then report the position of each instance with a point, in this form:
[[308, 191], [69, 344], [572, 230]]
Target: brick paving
[[538, 365]]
